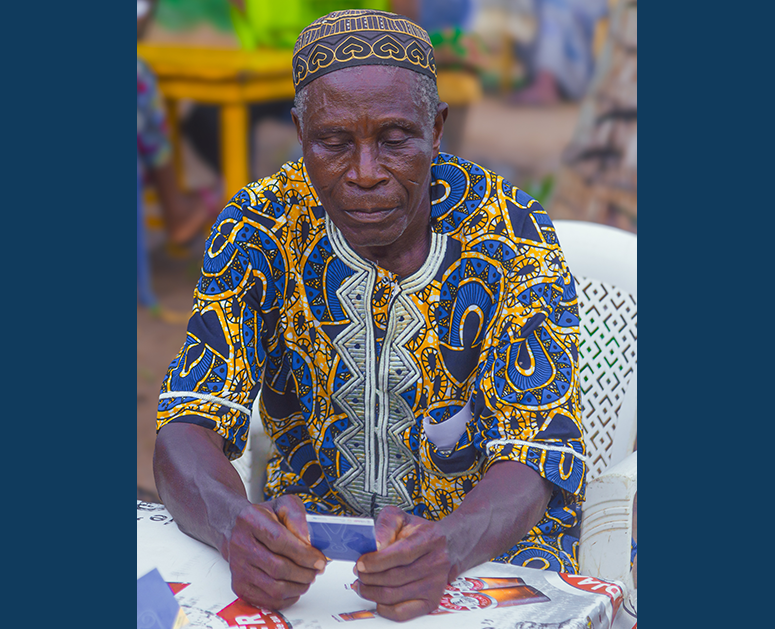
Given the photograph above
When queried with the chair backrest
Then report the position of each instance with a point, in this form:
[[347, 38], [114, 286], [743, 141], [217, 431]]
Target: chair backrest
[[603, 260]]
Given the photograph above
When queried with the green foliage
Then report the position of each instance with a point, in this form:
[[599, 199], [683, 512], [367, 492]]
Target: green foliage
[[181, 15], [540, 190]]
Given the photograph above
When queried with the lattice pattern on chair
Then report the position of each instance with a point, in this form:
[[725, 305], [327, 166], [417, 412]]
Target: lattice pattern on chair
[[608, 353]]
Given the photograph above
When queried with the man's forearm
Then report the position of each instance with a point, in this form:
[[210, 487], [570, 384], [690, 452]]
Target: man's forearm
[[509, 500], [197, 482]]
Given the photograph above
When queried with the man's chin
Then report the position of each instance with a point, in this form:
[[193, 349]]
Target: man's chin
[[379, 241], [366, 236]]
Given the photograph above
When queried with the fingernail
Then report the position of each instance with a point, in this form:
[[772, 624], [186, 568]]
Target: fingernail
[[360, 565], [319, 565]]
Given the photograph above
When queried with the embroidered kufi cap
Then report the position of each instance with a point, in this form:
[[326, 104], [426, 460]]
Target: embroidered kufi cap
[[357, 37]]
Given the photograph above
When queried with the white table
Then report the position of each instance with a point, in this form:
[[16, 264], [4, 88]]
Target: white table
[[201, 580]]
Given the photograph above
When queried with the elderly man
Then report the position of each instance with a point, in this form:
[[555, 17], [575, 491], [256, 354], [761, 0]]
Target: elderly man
[[412, 326]]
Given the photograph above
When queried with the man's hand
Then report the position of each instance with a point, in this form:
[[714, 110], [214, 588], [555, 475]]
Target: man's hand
[[267, 545], [407, 575], [272, 562], [416, 558]]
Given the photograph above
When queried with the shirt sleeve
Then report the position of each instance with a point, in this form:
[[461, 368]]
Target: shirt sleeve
[[215, 378], [527, 405]]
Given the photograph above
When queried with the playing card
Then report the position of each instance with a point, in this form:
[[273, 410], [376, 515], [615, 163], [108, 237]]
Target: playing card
[[339, 537]]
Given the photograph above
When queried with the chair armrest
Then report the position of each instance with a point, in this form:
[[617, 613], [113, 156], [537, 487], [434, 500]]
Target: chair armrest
[[606, 523]]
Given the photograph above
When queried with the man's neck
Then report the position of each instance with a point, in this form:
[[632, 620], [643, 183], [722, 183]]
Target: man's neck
[[402, 261]]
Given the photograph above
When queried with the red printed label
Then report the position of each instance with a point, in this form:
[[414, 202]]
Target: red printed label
[[241, 615], [466, 584], [591, 584], [462, 601], [177, 587]]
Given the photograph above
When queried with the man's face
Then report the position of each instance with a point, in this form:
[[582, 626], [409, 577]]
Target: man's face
[[368, 148]]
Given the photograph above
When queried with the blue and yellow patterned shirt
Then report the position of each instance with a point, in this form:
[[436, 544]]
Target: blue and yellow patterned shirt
[[378, 389]]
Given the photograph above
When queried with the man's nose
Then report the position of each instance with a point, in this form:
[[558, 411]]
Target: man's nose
[[365, 170]]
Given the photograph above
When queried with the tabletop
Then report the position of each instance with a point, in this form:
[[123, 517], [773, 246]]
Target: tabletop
[[489, 596], [214, 64]]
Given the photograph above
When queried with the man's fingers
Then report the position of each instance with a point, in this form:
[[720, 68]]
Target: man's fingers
[[407, 577], [394, 556], [261, 538], [271, 597], [393, 595], [282, 568], [271, 566], [272, 533], [388, 525], [406, 610], [248, 554], [403, 552], [291, 513], [257, 583], [401, 575]]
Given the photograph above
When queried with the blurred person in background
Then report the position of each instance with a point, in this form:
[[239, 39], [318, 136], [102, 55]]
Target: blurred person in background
[[411, 325], [185, 214], [598, 175], [561, 59]]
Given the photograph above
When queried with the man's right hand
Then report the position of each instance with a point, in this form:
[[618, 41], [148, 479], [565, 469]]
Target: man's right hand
[[272, 562], [267, 545]]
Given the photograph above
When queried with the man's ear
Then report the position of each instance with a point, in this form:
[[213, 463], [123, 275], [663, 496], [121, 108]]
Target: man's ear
[[438, 127], [297, 122]]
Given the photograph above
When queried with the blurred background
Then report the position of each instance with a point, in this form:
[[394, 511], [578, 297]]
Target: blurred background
[[544, 92]]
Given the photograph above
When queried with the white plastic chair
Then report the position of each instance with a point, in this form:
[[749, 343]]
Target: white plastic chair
[[603, 261], [251, 466]]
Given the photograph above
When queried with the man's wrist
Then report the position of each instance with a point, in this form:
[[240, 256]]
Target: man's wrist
[[461, 539], [223, 524]]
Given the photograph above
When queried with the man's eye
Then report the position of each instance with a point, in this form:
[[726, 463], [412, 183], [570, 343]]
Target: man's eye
[[394, 142], [334, 144]]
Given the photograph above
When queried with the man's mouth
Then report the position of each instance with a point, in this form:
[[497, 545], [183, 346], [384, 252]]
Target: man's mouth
[[373, 215]]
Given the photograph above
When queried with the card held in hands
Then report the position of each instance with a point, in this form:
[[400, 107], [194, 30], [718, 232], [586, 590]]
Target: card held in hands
[[340, 537]]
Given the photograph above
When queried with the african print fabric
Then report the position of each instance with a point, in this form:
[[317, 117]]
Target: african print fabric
[[378, 389]]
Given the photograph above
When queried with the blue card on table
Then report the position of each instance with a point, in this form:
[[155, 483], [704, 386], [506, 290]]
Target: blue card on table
[[339, 537], [157, 607]]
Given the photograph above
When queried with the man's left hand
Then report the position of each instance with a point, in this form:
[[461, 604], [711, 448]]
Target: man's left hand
[[416, 558], [407, 575]]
